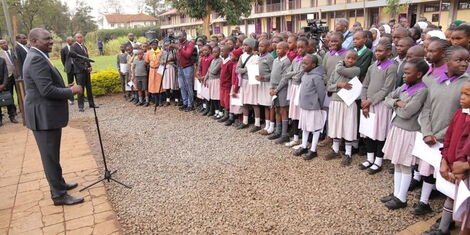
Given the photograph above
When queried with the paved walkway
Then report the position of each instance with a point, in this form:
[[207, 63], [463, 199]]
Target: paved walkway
[[25, 204]]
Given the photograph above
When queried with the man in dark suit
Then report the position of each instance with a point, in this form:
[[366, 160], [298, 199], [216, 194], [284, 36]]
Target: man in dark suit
[[46, 111], [10, 59], [131, 41], [4, 84], [21, 50], [67, 61], [82, 69]]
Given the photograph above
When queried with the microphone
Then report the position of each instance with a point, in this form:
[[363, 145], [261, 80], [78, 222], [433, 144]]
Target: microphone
[[75, 55]]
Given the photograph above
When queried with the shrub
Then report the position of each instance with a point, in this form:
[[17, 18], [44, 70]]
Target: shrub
[[110, 47], [105, 82]]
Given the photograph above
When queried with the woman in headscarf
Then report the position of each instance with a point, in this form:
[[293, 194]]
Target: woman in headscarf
[[375, 37]]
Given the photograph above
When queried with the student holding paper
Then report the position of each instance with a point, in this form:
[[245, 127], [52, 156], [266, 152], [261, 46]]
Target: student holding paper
[[212, 81], [280, 66], [265, 65], [443, 100], [407, 102], [437, 112], [204, 63], [312, 95], [343, 118], [292, 80], [379, 82], [250, 92]]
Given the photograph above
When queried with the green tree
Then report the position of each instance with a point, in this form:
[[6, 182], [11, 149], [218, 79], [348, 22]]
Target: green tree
[[155, 7], [394, 8], [232, 10], [82, 21]]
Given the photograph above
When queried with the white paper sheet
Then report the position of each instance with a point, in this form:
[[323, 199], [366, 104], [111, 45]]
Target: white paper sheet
[[205, 92], [123, 68], [197, 86], [461, 197], [443, 185], [130, 84], [160, 69], [237, 101], [253, 71], [367, 125], [297, 97], [349, 96], [431, 155]]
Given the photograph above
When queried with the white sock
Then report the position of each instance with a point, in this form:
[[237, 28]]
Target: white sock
[[336, 145], [266, 126], [271, 127], [257, 122], [245, 120], [316, 136], [426, 192], [377, 163], [167, 99], [305, 139], [416, 175], [176, 100], [296, 138], [348, 147], [370, 159], [204, 105], [405, 184], [396, 182]]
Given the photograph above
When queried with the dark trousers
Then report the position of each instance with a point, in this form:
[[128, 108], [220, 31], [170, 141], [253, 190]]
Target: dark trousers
[[70, 77], [48, 142], [84, 80], [11, 109]]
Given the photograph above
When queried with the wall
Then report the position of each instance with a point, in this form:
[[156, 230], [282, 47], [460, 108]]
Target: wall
[[443, 18], [463, 15]]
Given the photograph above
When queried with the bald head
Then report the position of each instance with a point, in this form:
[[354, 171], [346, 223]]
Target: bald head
[[400, 33], [41, 39], [415, 52]]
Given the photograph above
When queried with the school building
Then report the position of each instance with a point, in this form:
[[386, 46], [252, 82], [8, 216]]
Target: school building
[[291, 15]]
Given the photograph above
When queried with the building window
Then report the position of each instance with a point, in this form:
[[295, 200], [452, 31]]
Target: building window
[[463, 4], [112, 25], [358, 13], [434, 7]]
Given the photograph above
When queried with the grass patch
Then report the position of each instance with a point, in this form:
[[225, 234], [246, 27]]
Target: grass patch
[[101, 63]]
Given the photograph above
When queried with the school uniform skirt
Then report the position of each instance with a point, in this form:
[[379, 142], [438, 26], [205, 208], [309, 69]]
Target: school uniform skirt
[[382, 120], [399, 146], [170, 81], [264, 98], [310, 120], [424, 168], [214, 89], [294, 110], [250, 93], [342, 120], [235, 109]]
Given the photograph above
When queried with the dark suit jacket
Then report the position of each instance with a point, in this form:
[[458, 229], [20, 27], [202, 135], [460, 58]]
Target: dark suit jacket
[[21, 56], [4, 79], [80, 65], [66, 59], [46, 96]]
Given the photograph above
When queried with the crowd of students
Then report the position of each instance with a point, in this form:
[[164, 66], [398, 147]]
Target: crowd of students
[[415, 80]]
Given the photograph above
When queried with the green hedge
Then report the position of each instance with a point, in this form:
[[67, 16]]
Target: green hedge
[[105, 82], [110, 34]]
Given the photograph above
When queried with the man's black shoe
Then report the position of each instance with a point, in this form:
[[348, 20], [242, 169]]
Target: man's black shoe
[[182, 107], [94, 106], [67, 200], [71, 186]]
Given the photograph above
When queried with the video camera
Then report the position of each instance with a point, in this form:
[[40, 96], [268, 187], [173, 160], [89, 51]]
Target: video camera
[[315, 28]]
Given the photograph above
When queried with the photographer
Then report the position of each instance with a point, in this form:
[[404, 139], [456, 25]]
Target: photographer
[[186, 61]]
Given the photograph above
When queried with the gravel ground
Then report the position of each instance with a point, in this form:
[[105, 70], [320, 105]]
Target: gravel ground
[[191, 174]]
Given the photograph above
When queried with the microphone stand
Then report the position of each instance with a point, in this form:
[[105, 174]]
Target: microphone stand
[[108, 175]]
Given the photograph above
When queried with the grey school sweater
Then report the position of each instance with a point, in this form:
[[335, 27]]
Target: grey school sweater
[[214, 69], [265, 64], [329, 63], [312, 91], [379, 82], [407, 117], [280, 66], [121, 59], [341, 74], [441, 103], [139, 67], [294, 72]]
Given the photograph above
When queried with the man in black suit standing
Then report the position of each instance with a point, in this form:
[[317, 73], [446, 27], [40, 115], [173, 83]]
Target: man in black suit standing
[[82, 69], [4, 84], [67, 61], [21, 50], [47, 111], [10, 59]]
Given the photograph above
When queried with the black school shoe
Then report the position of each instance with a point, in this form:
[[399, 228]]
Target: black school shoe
[[387, 198], [372, 171], [362, 167], [310, 155], [395, 203], [346, 161], [183, 107], [300, 151], [415, 184], [255, 129], [282, 140], [274, 136], [421, 208]]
